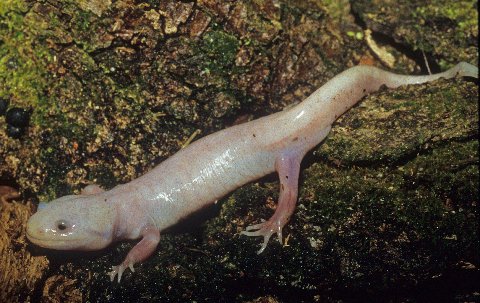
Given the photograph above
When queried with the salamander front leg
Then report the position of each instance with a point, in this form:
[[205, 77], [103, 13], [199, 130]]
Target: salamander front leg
[[141, 251], [91, 190], [288, 168]]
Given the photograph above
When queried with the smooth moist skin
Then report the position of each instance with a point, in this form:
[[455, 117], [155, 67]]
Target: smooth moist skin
[[223, 162]]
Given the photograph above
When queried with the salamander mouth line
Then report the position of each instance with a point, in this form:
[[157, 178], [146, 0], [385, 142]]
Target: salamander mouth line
[[30, 236]]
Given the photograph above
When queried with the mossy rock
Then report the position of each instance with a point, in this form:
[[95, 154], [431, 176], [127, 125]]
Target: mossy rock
[[447, 30], [387, 201]]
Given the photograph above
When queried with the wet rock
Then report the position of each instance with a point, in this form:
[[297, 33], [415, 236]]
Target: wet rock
[[15, 131], [18, 117]]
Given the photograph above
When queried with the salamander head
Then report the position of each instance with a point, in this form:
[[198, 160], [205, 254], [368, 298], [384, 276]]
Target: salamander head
[[80, 222]]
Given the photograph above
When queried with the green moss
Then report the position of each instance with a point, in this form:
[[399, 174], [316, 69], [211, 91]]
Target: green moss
[[12, 6], [313, 8], [462, 12], [461, 16], [213, 59], [54, 185], [221, 49], [436, 171], [448, 30], [103, 176], [22, 59], [83, 19], [387, 129]]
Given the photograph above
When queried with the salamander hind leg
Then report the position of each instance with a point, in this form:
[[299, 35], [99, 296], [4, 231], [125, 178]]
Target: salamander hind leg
[[288, 166]]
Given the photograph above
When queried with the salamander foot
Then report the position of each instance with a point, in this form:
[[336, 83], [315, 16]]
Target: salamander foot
[[266, 230], [118, 270]]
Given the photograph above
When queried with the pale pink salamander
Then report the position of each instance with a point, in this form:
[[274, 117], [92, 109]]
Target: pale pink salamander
[[223, 162]]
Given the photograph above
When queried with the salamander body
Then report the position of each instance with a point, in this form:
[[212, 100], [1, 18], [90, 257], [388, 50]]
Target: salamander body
[[210, 168]]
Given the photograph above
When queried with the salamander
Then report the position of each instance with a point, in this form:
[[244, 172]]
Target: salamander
[[209, 169]]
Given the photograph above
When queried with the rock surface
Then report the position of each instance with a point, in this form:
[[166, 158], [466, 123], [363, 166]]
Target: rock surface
[[387, 207]]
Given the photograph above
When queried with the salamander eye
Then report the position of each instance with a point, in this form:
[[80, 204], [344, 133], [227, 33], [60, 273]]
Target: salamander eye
[[61, 224]]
